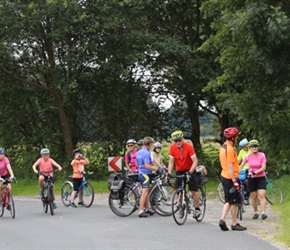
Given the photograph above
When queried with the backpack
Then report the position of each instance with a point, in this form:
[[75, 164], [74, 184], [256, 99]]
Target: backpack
[[129, 156]]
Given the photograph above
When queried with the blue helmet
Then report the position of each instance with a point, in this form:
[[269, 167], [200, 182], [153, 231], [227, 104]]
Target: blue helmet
[[243, 143], [2, 151], [44, 151]]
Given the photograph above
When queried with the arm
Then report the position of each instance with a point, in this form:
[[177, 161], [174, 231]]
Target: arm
[[9, 168], [157, 163], [194, 164], [56, 165], [149, 167], [86, 160], [170, 165], [262, 169], [242, 165], [128, 166], [34, 167], [231, 172]]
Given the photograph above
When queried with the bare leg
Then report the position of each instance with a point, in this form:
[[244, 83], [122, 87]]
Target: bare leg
[[234, 212], [262, 194], [254, 201], [143, 199], [195, 196], [226, 209]]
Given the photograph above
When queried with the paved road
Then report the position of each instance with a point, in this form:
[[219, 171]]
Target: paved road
[[98, 228]]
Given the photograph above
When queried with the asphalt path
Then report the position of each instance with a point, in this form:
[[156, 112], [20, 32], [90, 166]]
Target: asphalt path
[[98, 228]]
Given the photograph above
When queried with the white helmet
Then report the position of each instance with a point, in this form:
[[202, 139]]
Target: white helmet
[[243, 143], [157, 145], [131, 141]]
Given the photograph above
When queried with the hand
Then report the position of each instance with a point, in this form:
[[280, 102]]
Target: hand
[[236, 184], [161, 170], [35, 171], [168, 176]]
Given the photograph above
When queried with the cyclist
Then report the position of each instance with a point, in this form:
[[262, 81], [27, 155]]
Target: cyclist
[[229, 178], [157, 156], [257, 183], [5, 168], [130, 156], [183, 155], [45, 163], [78, 163], [140, 144]]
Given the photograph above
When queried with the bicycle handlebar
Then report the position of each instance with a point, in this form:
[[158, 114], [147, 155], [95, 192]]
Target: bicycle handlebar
[[7, 180]]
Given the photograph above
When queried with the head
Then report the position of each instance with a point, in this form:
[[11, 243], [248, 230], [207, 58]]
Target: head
[[77, 153], [244, 144], [178, 137], [140, 143], [44, 153], [231, 134], [148, 142], [2, 153], [254, 146], [131, 144], [157, 147]]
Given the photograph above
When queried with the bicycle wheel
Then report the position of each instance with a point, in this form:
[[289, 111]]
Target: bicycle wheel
[[221, 193], [10, 205], [50, 199], [126, 204], [44, 200], [202, 203], [179, 207], [1, 209], [274, 193], [161, 199], [88, 195], [66, 191]]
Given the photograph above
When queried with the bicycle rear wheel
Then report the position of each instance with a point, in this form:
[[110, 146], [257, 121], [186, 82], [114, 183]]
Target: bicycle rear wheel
[[66, 190], [126, 204], [161, 199], [179, 207], [221, 193], [202, 203], [10, 205], [274, 193], [88, 195]]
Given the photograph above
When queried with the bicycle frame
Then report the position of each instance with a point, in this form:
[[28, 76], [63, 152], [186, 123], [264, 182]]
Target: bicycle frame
[[7, 198]]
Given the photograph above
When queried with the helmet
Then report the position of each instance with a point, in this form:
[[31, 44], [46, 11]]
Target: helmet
[[157, 145], [254, 143], [131, 141], [140, 142], [231, 132], [76, 151], [2, 151], [44, 151], [177, 134], [243, 143]]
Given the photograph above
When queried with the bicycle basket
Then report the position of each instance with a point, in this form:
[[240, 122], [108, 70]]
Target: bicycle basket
[[117, 189]]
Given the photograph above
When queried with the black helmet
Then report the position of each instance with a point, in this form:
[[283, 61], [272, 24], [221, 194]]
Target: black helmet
[[140, 142], [76, 151]]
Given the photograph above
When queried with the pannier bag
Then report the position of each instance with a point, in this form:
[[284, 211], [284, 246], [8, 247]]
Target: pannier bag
[[117, 189]]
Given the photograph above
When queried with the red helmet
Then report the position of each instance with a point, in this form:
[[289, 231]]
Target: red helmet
[[231, 132]]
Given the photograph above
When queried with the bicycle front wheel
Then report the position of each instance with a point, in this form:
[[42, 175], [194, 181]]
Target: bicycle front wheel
[[88, 195], [221, 192], [50, 199], [1, 209], [10, 205], [179, 207], [202, 203], [66, 190], [274, 193], [126, 204]]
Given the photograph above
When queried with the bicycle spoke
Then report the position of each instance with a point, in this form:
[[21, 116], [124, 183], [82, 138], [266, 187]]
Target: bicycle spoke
[[179, 207]]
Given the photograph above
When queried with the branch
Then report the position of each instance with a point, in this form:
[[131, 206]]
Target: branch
[[208, 110]]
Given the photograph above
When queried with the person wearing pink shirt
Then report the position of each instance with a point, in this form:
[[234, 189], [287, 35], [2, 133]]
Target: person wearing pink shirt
[[257, 181]]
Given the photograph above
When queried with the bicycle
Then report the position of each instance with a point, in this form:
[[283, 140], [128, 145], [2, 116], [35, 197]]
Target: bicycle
[[47, 196], [183, 203], [7, 198], [125, 194], [85, 190]]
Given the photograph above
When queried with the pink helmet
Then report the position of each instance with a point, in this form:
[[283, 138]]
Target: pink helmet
[[231, 132]]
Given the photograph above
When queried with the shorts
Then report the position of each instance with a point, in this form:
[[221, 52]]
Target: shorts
[[257, 184], [5, 177], [46, 178], [229, 198], [145, 180], [192, 183], [77, 183]]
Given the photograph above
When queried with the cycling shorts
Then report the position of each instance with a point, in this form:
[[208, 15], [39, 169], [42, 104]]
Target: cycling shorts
[[77, 183], [257, 183], [46, 178], [192, 183], [229, 198], [145, 180]]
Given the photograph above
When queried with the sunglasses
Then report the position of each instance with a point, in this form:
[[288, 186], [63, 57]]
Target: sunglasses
[[130, 146], [254, 146], [178, 140]]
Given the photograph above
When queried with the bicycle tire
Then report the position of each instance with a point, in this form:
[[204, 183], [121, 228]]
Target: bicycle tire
[[161, 199], [11, 206], [88, 194], [125, 205], [66, 190], [1, 209], [179, 209], [50, 199], [44, 200], [274, 194], [221, 193], [202, 203]]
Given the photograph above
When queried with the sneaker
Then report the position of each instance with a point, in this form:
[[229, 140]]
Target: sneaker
[[264, 216], [54, 205], [80, 203], [40, 192], [196, 213], [223, 225], [149, 211], [73, 205], [256, 216], [238, 227], [142, 214]]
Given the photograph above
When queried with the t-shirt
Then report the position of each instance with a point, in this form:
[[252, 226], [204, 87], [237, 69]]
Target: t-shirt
[[182, 157], [229, 155], [255, 163], [144, 155], [45, 166], [3, 166], [242, 155], [157, 157], [78, 166], [132, 162]]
